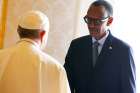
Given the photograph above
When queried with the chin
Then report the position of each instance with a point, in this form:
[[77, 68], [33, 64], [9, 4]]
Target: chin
[[93, 34]]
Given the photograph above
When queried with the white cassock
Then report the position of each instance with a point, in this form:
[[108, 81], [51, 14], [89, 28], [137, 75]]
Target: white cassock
[[24, 68]]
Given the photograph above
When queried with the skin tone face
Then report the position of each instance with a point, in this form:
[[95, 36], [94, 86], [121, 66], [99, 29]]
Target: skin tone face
[[97, 13]]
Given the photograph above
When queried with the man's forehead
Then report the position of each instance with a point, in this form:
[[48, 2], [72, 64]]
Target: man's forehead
[[98, 11]]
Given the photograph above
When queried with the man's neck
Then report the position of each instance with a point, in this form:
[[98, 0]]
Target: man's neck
[[37, 41]]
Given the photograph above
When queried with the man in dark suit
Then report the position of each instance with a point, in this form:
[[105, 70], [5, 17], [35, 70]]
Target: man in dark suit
[[113, 71]]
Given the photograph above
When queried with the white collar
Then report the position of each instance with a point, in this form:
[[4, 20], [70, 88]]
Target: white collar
[[29, 41], [102, 40]]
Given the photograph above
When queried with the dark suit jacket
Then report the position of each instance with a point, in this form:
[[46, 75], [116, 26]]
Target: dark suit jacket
[[114, 71]]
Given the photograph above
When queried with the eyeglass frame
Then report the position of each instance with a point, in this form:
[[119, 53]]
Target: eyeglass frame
[[93, 20]]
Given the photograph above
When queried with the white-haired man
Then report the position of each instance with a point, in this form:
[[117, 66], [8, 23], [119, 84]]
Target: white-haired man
[[25, 68]]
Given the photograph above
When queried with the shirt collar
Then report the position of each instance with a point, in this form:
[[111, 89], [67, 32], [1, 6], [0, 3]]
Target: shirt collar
[[102, 40]]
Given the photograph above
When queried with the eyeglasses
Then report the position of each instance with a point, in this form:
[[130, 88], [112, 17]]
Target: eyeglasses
[[94, 21]]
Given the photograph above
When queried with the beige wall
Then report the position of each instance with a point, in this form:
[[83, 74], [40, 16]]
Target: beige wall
[[62, 15]]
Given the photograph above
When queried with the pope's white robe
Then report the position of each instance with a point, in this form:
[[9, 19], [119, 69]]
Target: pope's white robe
[[24, 68]]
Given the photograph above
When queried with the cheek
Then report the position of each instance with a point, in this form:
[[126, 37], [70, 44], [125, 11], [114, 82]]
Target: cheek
[[104, 26]]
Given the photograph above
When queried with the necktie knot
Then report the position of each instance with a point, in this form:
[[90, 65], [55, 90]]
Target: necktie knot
[[96, 44]]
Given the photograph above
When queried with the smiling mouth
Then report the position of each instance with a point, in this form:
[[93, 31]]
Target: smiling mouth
[[94, 30]]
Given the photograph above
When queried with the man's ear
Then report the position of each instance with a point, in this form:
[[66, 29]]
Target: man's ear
[[110, 20], [42, 33]]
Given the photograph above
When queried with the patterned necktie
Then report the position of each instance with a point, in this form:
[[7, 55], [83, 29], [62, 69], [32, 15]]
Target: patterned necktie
[[95, 52]]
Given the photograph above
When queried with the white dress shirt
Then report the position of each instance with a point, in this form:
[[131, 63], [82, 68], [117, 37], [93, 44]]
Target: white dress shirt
[[101, 41]]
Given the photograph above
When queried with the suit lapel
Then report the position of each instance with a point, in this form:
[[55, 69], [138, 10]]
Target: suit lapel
[[88, 51]]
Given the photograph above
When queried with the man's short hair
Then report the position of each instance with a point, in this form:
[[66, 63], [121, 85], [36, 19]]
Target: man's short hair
[[104, 3], [28, 33]]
